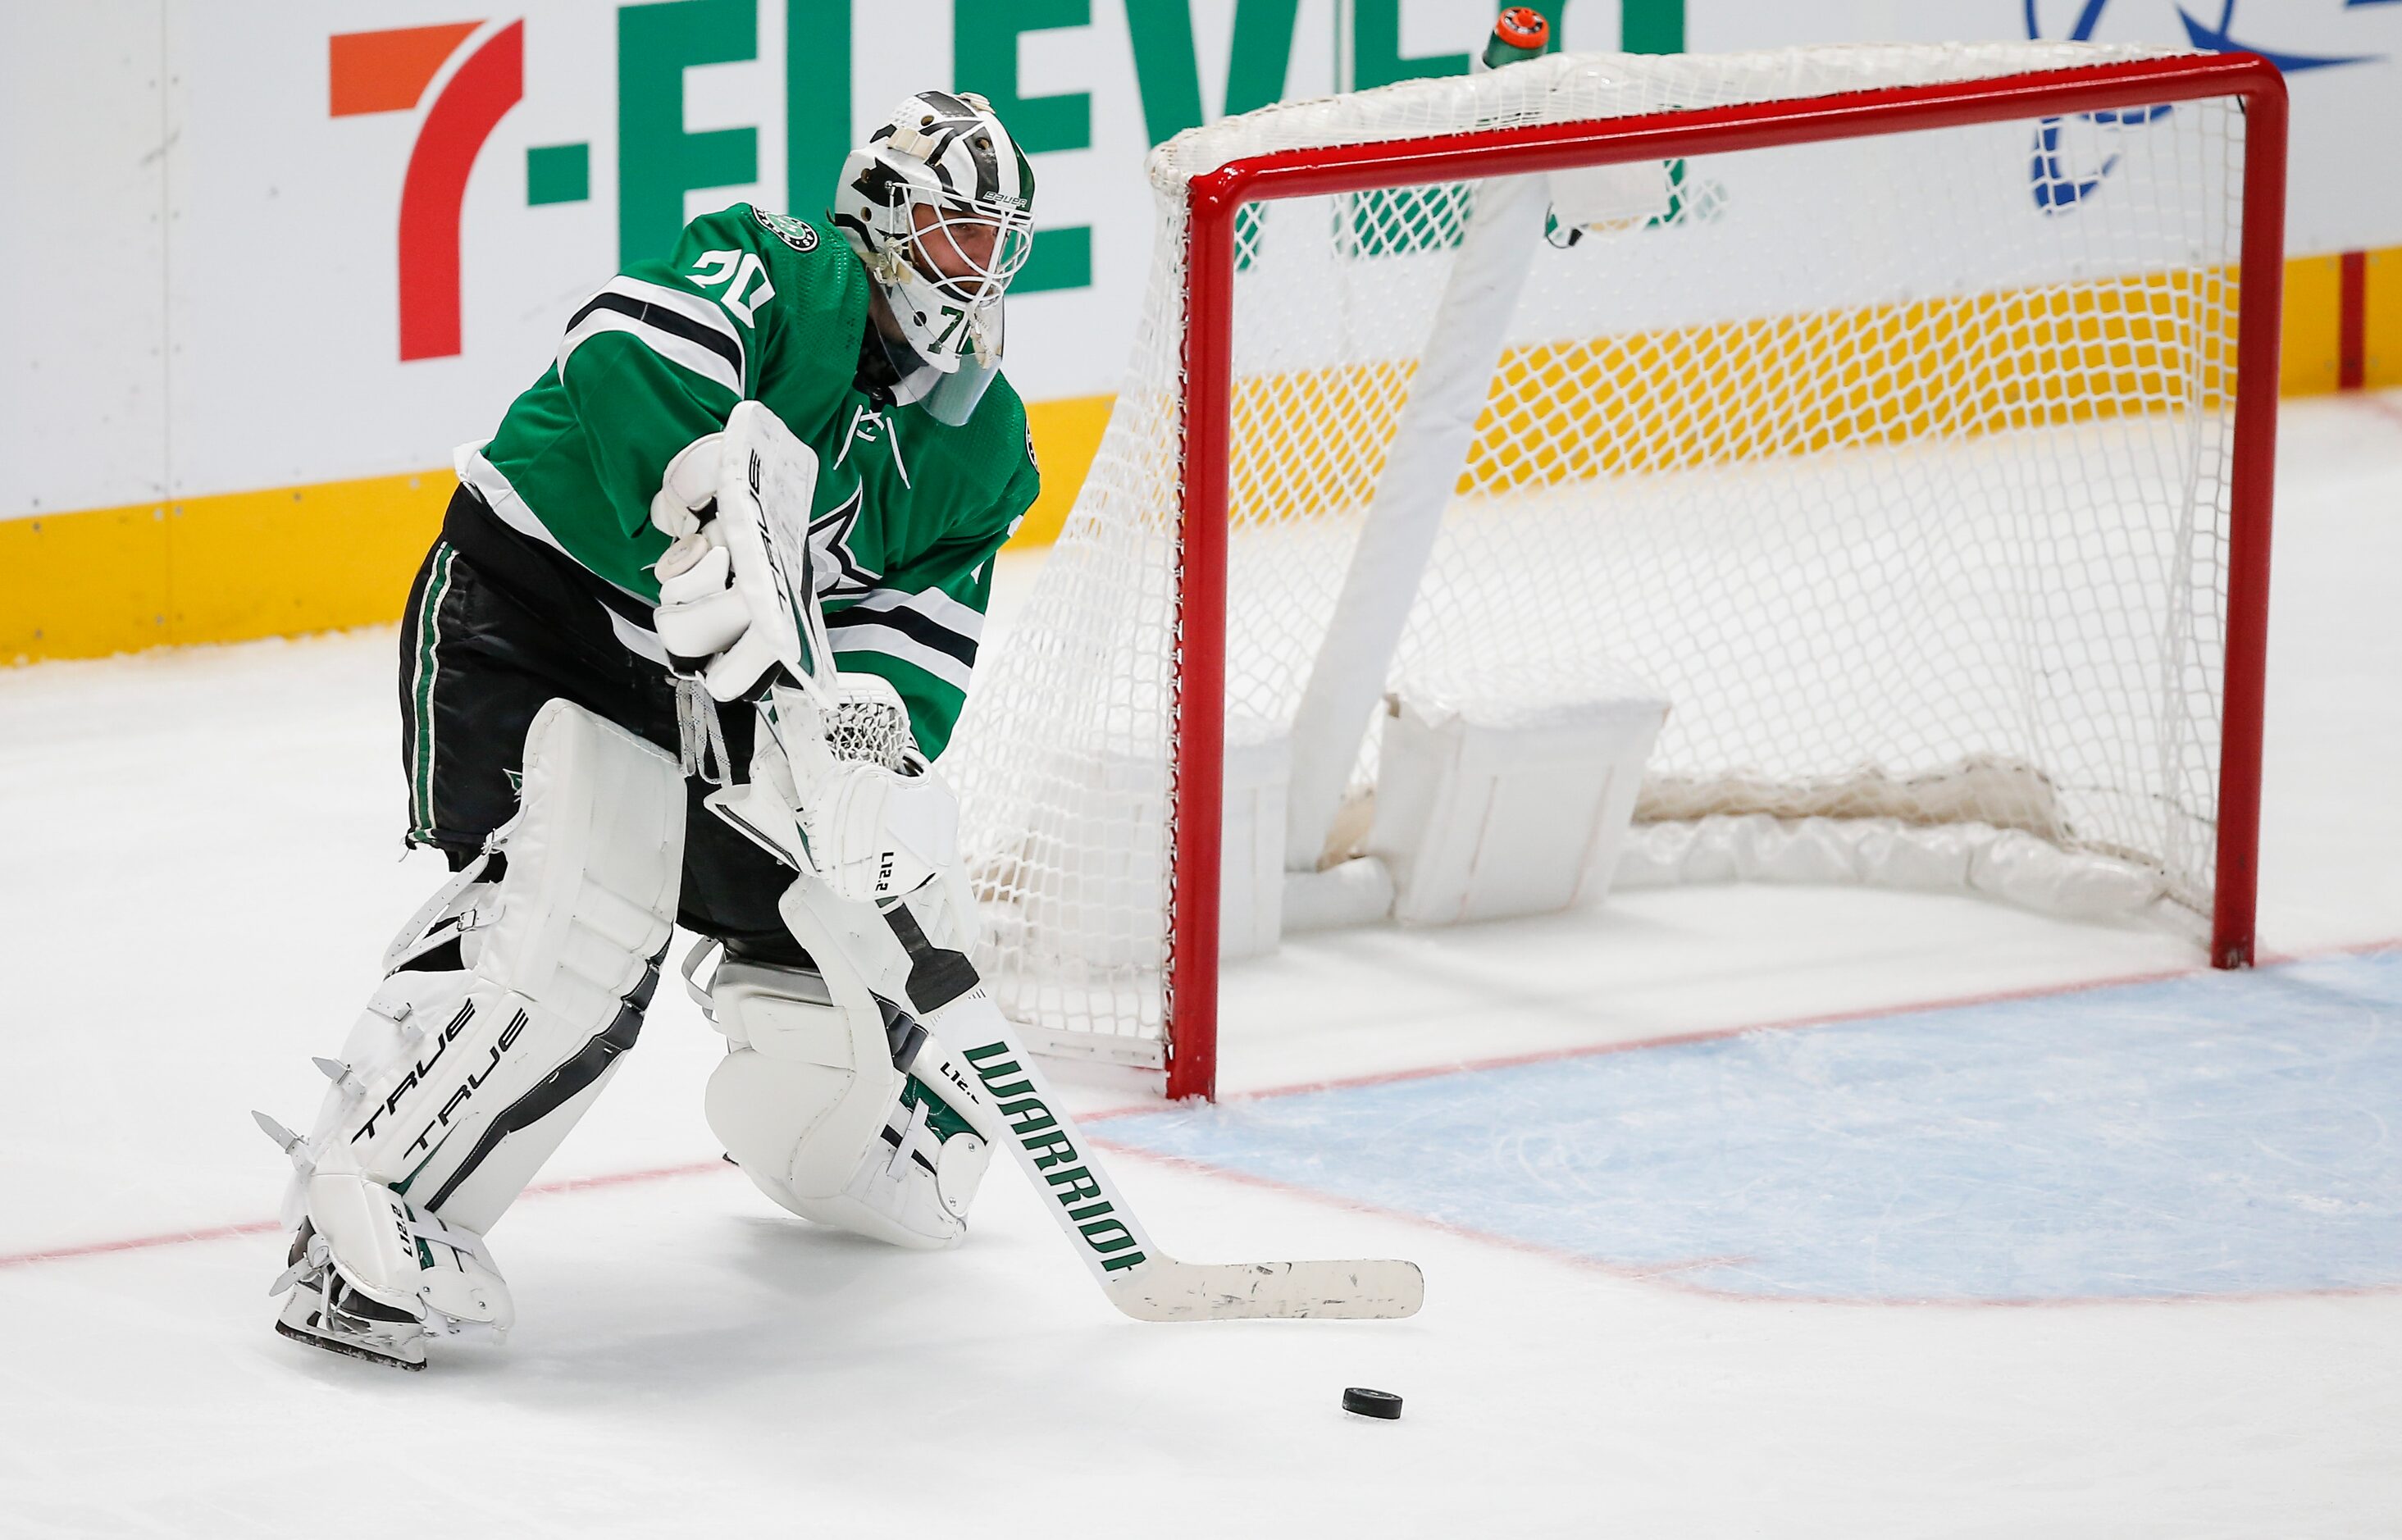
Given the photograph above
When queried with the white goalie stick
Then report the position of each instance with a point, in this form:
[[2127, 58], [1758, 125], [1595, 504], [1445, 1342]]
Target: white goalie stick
[[992, 1081]]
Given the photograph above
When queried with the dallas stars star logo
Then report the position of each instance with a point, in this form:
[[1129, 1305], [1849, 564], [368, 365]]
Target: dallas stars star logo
[[836, 573]]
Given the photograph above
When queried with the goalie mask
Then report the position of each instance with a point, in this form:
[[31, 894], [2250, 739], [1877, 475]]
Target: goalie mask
[[939, 205]]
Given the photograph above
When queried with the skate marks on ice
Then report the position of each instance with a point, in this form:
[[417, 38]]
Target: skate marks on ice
[[2207, 1136]]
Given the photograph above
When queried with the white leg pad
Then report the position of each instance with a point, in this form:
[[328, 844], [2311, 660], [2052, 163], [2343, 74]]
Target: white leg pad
[[505, 1008], [810, 1105]]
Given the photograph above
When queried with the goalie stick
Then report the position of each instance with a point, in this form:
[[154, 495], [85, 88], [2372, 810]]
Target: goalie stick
[[992, 1083]]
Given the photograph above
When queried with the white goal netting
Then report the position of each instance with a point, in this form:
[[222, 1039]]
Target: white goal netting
[[1898, 464]]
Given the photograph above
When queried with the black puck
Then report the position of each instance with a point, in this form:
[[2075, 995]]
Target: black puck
[[1372, 1403]]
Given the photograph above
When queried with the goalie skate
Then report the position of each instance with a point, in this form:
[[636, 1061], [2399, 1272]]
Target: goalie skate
[[322, 1311], [324, 1308]]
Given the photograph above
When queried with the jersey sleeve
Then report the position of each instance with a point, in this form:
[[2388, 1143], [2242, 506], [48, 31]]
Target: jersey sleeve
[[637, 406], [921, 626], [659, 357]]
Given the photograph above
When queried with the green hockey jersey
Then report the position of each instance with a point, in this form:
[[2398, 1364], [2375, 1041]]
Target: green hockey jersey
[[758, 305]]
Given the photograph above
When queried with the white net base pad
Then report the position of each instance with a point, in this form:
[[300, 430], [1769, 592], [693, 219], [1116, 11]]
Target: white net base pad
[[2010, 864]]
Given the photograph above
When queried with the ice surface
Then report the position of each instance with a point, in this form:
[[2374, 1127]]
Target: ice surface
[[200, 862]]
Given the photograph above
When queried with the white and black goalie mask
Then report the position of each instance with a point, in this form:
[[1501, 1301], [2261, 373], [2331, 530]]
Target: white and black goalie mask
[[939, 204]]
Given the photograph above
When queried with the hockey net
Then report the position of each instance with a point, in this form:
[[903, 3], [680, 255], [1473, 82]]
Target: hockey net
[[1901, 459]]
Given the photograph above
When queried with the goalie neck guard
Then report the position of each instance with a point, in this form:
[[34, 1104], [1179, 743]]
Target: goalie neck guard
[[939, 206]]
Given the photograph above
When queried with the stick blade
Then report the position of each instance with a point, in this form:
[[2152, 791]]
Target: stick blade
[[1272, 1291]]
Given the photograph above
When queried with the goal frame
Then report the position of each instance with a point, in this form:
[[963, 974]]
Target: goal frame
[[1195, 793]]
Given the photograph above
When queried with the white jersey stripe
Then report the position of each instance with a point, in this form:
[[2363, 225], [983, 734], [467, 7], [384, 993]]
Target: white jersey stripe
[[689, 320], [675, 350], [890, 643], [933, 603], [691, 307]]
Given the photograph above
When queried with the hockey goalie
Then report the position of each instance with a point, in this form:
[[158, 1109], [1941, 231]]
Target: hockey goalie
[[702, 613], [567, 645]]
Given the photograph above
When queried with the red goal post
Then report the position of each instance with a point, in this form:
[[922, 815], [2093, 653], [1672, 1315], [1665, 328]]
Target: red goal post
[[1189, 1026]]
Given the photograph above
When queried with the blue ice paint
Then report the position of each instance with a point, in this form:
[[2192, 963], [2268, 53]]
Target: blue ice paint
[[2222, 1133]]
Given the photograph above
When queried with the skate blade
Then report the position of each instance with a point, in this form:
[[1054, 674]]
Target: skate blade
[[348, 1349]]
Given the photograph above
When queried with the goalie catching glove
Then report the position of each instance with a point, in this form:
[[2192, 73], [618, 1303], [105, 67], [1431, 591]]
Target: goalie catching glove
[[873, 833], [844, 796]]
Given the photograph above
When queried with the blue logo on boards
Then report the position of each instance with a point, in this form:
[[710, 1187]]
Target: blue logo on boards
[[2061, 179]]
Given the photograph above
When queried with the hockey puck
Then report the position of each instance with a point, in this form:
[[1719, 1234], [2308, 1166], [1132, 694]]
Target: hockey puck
[[1372, 1403]]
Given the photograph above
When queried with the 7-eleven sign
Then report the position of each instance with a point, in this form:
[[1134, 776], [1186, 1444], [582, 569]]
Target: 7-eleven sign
[[390, 71]]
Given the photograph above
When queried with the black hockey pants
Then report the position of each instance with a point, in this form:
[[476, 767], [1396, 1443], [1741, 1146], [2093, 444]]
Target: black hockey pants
[[497, 625]]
